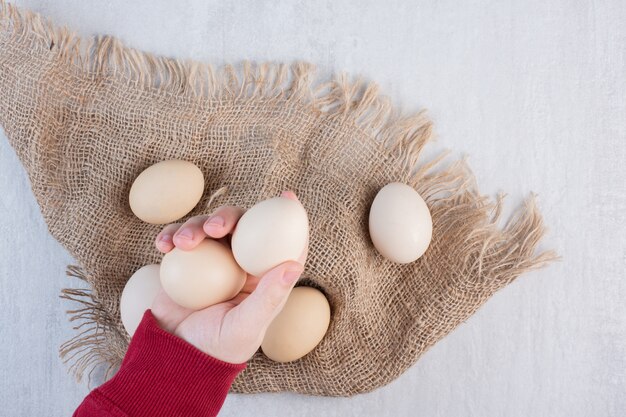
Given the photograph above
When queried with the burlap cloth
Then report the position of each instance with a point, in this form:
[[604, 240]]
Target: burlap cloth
[[87, 116]]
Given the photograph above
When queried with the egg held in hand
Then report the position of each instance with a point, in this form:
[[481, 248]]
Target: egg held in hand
[[166, 191], [138, 295], [400, 224], [299, 327], [201, 277], [270, 233]]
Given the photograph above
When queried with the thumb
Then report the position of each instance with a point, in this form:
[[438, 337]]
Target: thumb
[[267, 300]]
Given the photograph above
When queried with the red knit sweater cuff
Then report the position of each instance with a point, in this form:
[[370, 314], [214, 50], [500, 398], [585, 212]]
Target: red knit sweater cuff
[[162, 375]]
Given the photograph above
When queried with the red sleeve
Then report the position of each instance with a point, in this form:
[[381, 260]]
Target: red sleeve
[[162, 375]]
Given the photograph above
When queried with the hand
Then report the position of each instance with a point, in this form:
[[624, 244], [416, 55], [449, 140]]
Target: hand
[[231, 331]]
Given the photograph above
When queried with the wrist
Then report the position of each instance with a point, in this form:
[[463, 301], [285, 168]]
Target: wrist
[[239, 353], [163, 375]]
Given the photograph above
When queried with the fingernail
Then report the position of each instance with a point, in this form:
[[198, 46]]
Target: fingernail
[[216, 221], [166, 239], [185, 234], [291, 275], [289, 194]]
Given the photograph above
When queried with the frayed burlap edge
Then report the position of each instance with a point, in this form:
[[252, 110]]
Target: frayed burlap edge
[[505, 253]]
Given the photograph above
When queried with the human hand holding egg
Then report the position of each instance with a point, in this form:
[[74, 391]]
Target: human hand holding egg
[[231, 331]]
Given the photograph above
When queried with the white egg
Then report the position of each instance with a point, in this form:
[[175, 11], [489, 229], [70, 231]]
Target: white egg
[[400, 223], [138, 295], [270, 233], [166, 191], [201, 277]]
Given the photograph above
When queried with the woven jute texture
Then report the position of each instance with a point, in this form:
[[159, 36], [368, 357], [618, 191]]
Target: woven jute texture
[[87, 116]]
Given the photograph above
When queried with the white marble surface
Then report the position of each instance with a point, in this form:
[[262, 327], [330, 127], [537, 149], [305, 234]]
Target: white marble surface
[[533, 91]]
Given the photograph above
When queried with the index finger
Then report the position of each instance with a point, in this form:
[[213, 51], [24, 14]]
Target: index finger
[[223, 221]]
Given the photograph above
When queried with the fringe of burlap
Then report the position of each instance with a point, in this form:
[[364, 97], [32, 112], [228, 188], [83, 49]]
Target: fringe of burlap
[[89, 348], [495, 255]]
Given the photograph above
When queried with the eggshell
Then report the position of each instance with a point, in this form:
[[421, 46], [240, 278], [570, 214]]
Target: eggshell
[[299, 327], [400, 223], [138, 295], [201, 277], [166, 191], [270, 233]]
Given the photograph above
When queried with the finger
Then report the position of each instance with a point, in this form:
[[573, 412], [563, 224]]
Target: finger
[[259, 309], [222, 221], [238, 299], [164, 242], [190, 234], [250, 284], [290, 194]]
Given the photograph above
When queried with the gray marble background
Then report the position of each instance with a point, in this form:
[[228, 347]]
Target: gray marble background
[[533, 91]]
